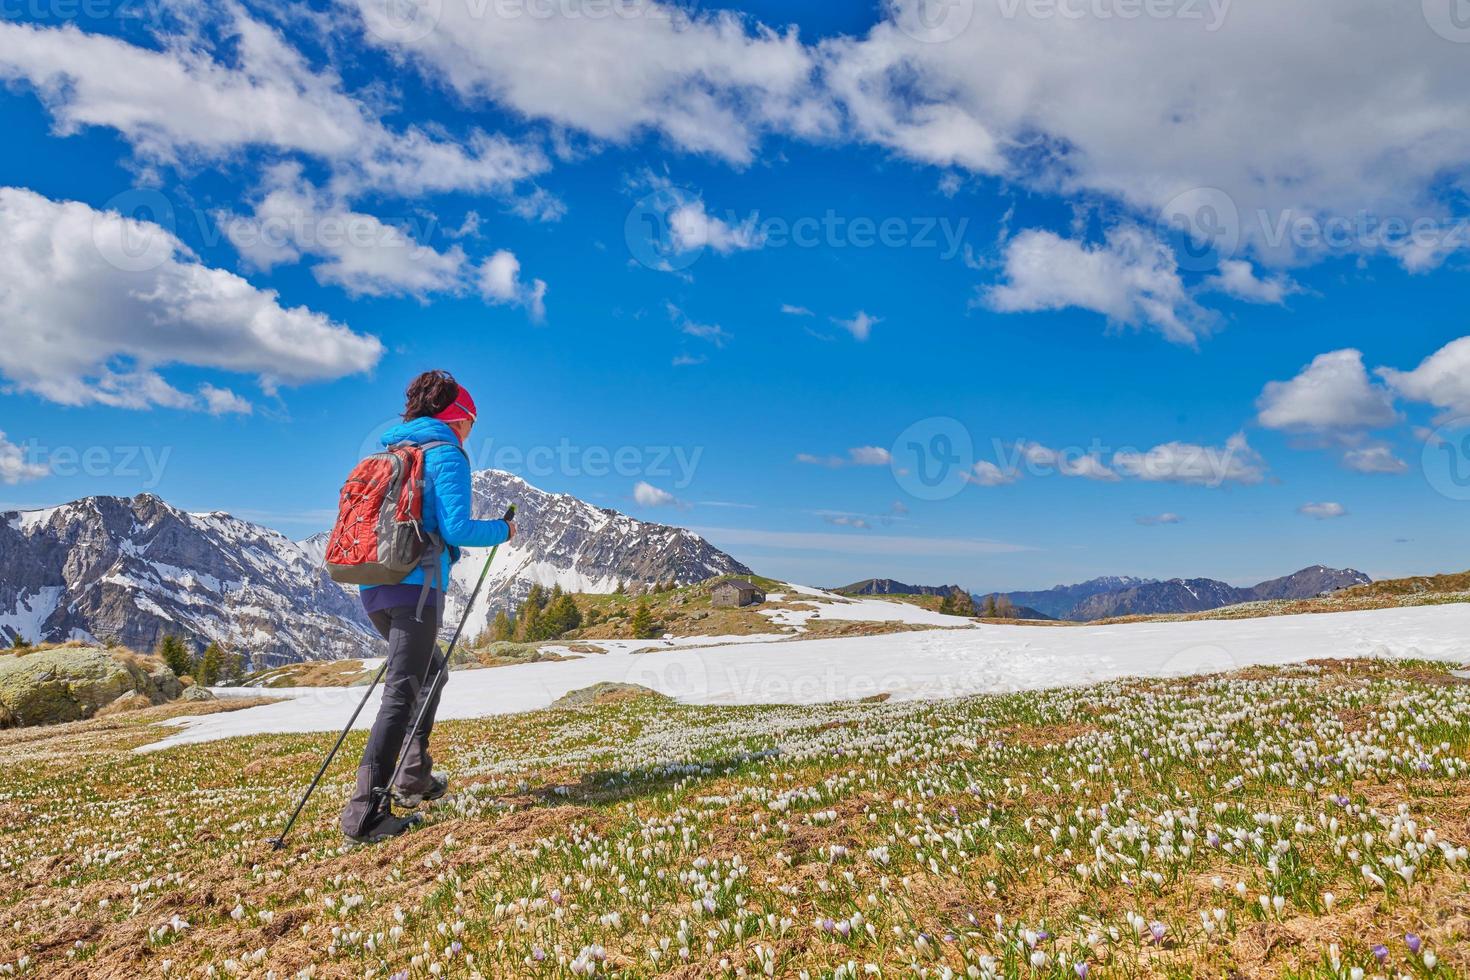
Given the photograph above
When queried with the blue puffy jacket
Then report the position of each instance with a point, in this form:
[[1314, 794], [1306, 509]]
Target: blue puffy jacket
[[448, 505]]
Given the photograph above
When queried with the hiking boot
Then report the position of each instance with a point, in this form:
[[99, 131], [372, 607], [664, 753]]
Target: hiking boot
[[385, 827], [438, 786]]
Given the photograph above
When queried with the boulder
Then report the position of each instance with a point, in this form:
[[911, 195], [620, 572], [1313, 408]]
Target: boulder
[[197, 693], [75, 682], [605, 692]]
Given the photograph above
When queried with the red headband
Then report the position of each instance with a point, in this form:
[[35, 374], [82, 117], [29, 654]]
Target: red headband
[[462, 409]]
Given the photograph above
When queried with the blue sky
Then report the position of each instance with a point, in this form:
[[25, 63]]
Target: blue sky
[[231, 237]]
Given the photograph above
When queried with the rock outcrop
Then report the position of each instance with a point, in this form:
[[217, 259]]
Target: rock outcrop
[[72, 683]]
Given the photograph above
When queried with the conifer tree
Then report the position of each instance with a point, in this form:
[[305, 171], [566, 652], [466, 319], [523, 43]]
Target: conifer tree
[[503, 628], [173, 652], [208, 667], [644, 628]]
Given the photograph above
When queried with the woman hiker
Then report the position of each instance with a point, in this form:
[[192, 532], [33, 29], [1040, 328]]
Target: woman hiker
[[439, 411]]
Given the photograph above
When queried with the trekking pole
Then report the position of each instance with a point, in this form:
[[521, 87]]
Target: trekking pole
[[428, 692], [280, 841]]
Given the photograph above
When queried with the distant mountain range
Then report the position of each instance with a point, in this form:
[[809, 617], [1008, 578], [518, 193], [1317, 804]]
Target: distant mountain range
[[131, 570], [1102, 598], [888, 586]]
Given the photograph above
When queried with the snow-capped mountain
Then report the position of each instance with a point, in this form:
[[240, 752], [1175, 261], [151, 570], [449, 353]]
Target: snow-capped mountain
[[130, 571], [562, 540]]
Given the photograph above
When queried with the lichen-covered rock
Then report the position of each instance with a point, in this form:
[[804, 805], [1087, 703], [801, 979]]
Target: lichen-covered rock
[[72, 683], [197, 693], [605, 692]]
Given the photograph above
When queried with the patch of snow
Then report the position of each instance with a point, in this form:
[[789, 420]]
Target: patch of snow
[[28, 519], [927, 664], [29, 616]]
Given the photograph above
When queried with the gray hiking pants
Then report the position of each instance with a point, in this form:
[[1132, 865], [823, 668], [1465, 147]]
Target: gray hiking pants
[[413, 661]]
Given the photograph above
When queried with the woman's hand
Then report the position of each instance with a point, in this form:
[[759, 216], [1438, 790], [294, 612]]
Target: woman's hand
[[512, 526]]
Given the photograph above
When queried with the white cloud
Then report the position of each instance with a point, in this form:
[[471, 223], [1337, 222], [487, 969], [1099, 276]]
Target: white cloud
[[14, 467], [648, 495], [1297, 111], [1154, 520], [692, 228], [860, 325], [1373, 459], [1132, 279], [1331, 393], [1323, 511], [500, 282], [92, 304], [1081, 464], [848, 520], [689, 360], [987, 474], [1237, 278], [1183, 462], [1442, 379], [791, 310], [186, 99], [707, 83], [223, 401], [856, 456]]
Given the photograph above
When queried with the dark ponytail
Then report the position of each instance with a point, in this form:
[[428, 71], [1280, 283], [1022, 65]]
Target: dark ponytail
[[429, 394]]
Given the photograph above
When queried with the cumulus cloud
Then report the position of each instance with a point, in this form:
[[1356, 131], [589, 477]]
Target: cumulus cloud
[[1323, 511], [1299, 111], [1183, 462], [1132, 279], [500, 282], [1442, 379], [93, 304], [648, 495], [14, 467], [711, 84], [1238, 278], [188, 98], [692, 227], [1087, 465], [987, 474], [1375, 458], [1333, 393]]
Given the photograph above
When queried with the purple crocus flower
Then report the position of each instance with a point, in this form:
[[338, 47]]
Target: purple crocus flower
[[1158, 929], [537, 953], [1413, 942], [1081, 971], [1380, 953]]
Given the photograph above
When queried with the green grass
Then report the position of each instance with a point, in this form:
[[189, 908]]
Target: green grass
[[1134, 827]]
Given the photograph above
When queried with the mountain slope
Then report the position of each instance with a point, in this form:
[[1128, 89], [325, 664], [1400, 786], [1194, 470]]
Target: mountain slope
[[562, 540], [1202, 594], [129, 570], [1059, 601], [888, 586]]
